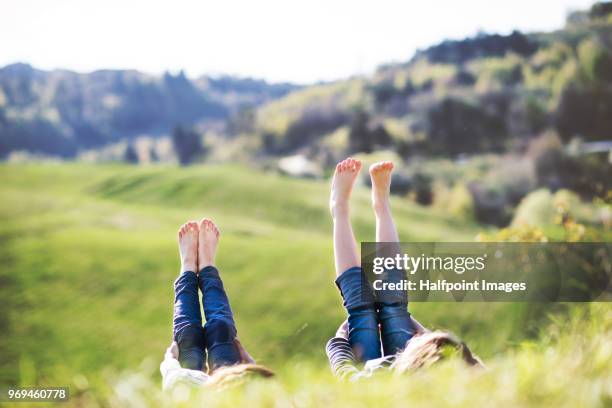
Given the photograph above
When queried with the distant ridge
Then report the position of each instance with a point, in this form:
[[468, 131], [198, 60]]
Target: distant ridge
[[59, 112]]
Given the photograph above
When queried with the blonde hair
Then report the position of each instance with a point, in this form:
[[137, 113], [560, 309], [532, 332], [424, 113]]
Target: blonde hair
[[425, 349], [236, 374]]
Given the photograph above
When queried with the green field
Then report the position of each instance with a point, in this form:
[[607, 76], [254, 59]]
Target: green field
[[88, 256]]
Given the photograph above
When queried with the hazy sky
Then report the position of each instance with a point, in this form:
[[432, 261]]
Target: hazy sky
[[291, 40]]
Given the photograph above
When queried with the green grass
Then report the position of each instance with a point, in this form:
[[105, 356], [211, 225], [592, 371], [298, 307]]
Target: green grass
[[88, 256]]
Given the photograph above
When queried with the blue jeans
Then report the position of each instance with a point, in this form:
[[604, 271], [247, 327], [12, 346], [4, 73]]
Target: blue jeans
[[365, 315], [217, 336]]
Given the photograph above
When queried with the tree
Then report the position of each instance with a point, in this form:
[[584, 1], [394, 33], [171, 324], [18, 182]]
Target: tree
[[130, 155], [187, 144], [242, 121], [585, 112], [457, 127], [365, 136]]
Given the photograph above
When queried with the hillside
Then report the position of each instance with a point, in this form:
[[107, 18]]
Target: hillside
[[61, 112], [487, 94], [88, 259], [490, 93], [488, 119]]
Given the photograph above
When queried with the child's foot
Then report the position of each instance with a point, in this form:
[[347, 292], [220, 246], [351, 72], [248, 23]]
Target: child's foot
[[342, 185], [380, 173], [207, 247], [188, 246]]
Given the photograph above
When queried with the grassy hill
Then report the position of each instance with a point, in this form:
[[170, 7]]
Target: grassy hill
[[88, 256]]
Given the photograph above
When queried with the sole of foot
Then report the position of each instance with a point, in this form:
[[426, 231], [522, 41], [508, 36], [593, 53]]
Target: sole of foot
[[342, 185], [380, 174], [188, 246], [207, 243]]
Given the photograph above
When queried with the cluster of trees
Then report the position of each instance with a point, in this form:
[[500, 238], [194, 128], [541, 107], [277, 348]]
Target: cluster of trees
[[490, 93], [61, 112], [483, 45]]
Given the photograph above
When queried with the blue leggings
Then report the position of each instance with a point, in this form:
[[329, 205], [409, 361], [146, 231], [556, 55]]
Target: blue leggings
[[365, 315], [217, 336]]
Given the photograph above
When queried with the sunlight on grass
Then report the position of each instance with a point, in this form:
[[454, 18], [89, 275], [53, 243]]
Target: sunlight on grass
[[88, 259]]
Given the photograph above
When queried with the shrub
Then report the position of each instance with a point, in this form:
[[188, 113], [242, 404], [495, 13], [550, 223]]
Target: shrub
[[535, 210], [130, 155], [310, 126], [365, 135], [457, 127], [422, 188], [554, 169], [456, 201], [490, 204], [585, 112], [187, 144]]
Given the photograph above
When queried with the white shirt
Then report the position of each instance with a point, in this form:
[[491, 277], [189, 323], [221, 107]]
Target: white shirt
[[173, 374]]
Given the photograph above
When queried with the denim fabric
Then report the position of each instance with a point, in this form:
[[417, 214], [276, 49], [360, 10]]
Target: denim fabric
[[216, 338], [389, 296], [362, 318], [220, 328], [187, 322], [396, 326]]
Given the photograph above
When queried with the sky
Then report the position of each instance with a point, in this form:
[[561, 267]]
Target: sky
[[302, 41]]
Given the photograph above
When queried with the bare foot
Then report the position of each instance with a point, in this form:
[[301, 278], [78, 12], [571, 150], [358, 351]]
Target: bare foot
[[380, 173], [207, 248], [342, 185], [188, 246]]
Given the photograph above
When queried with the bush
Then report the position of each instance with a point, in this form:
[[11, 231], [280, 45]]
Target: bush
[[554, 169], [310, 126], [366, 135], [187, 144], [535, 210], [457, 127], [456, 201], [130, 155], [595, 62], [422, 188], [586, 174], [585, 112], [490, 204]]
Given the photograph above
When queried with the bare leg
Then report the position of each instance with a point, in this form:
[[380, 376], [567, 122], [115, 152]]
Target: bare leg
[[362, 322], [220, 327], [187, 320], [207, 243], [380, 173], [395, 324], [345, 247], [188, 246]]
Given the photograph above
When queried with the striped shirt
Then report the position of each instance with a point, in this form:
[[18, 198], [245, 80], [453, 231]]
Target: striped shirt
[[344, 365]]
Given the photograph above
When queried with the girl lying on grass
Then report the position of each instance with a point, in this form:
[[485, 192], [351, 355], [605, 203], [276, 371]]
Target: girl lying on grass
[[209, 355], [380, 333]]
